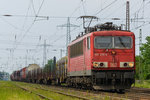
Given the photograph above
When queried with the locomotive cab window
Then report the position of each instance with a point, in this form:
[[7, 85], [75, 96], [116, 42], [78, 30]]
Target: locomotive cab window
[[122, 42], [113, 42], [102, 42]]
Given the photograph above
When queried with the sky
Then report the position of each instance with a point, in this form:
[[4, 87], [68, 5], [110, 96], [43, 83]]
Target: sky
[[32, 22]]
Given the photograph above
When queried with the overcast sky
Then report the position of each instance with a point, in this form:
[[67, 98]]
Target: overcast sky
[[22, 34]]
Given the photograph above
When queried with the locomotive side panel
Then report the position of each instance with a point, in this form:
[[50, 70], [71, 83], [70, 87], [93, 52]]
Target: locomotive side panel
[[79, 57], [76, 59]]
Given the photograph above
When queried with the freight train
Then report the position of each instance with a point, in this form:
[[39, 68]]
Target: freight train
[[103, 57]]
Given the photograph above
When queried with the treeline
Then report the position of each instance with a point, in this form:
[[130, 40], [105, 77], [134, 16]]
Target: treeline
[[50, 66], [4, 76], [143, 61]]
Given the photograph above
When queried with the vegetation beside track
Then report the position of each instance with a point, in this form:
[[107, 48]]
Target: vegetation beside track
[[49, 94], [8, 91], [143, 84], [143, 61], [27, 91], [72, 92], [23, 91]]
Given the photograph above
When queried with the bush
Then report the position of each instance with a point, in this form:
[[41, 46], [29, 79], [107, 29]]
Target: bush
[[147, 76]]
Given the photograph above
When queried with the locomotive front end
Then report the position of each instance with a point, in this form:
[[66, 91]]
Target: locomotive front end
[[113, 62]]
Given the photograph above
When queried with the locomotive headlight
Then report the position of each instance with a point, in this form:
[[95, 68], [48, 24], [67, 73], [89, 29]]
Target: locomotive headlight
[[126, 64], [95, 64], [100, 64], [131, 64]]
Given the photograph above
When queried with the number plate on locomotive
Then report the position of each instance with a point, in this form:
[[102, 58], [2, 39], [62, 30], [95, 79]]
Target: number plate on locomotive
[[113, 64]]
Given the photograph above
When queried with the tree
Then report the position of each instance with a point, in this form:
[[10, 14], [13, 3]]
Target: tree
[[47, 67], [51, 65], [145, 56], [145, 50]]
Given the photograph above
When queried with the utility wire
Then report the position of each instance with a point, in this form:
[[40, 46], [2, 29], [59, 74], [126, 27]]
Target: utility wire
[[136, 18], [23, 23], [9, 23], [83, 2], [33, 7], [37, 46], [76, 8], [40, 8], [144, 24], [29, 26], [118, 8], [141, 7], [31, 23], [105, 7], [35, 20], [62, 36]]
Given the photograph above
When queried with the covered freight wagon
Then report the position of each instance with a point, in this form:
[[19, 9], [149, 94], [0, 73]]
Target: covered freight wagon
[[31, 71]]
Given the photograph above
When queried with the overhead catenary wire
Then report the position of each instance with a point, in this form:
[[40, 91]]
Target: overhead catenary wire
[[137, 17], [31, 23], [10, 23], [105, 7], [40, 8], [77, 8], [113, 12], [23, 23], [83, 6], [33, 7], [29, 28]]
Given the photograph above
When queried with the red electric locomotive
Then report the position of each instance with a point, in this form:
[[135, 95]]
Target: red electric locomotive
[[103, 57]]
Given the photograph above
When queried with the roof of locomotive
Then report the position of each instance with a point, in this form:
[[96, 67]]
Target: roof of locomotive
[[106, 29], [113, 33], [103, 33]]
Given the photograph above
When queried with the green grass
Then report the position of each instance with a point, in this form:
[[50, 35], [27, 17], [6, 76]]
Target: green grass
[[143, 84], [57, 96], [53, 95], [8, 91]]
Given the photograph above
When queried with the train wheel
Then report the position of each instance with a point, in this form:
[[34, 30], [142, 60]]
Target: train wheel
[[69, 84]]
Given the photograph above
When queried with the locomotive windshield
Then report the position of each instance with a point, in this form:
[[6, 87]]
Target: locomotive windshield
[[103, 42], [122, 42], [111, 42]]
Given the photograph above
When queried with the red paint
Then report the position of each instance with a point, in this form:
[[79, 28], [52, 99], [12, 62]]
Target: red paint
[[23, 73]]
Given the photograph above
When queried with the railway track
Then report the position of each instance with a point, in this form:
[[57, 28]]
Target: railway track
[[59, 92], [38, 94], [140, 93], [131, 94], [47, 98], [58, 89]]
